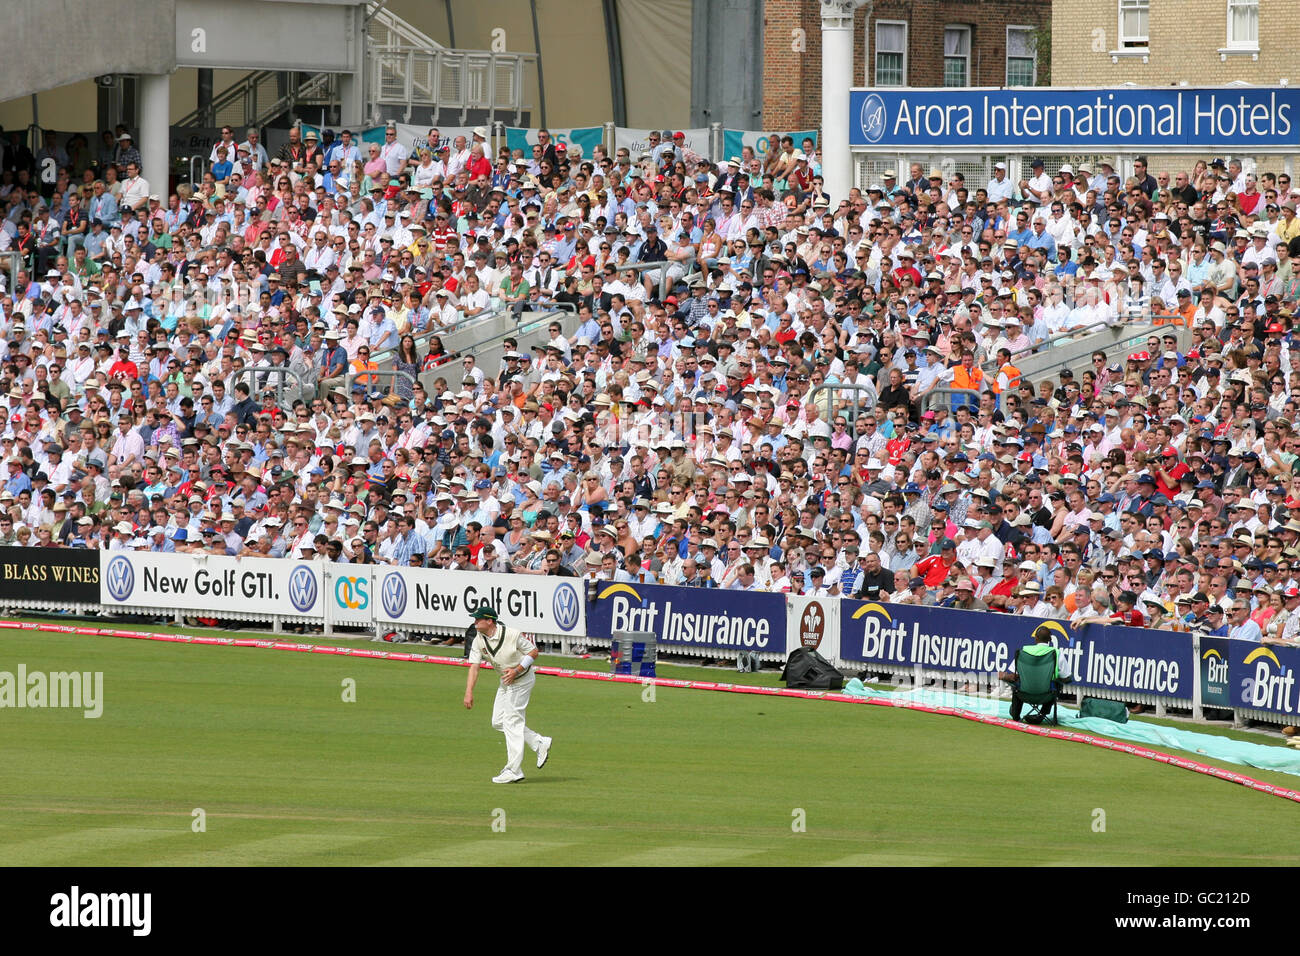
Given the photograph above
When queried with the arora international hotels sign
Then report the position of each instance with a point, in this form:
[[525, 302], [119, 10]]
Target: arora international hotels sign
[[1235, 118]]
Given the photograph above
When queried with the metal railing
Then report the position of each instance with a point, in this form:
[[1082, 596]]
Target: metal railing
[[690, 271], [1110, 349], [853, 409], [258, 382], [410, 77], [256, 99], [234, 95], [1056, 341], [422, 340], [15, 264], [931, 398]]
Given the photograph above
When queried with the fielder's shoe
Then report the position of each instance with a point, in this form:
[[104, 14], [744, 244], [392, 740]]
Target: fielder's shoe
[[508, 776], [543, 751]]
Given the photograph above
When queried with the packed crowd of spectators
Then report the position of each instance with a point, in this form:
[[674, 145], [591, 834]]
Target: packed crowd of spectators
[[680, 438]]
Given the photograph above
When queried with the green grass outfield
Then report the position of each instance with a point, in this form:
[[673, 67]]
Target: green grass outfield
[[288, 773]]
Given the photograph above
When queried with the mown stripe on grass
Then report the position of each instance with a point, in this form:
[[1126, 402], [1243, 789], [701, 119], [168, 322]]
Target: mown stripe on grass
[[494, 851], [687, 855], [60, 847], [285, 849]]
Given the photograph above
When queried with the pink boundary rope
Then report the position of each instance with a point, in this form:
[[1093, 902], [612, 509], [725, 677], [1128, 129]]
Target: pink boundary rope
[[364, 652]]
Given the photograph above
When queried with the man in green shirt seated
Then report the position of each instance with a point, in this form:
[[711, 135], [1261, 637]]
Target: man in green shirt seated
[[514, 289], [1041, 647]]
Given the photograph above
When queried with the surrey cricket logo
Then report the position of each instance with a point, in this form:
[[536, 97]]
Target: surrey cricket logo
[[394, 595], [302, 588], [565, 607], [873, 118], [120, 578], [812, 626]]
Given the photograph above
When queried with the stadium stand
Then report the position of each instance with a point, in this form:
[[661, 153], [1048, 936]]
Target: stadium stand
[[666, 367]]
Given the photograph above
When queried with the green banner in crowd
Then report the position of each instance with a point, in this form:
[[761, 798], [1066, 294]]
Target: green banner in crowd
[[588, 137], [735, 140]]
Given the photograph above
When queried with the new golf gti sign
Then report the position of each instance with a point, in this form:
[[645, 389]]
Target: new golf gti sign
[[425, 597], [215, 583]]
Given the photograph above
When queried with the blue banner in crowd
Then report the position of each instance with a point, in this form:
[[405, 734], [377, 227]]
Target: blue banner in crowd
[[1208, 120], [1263, 676], [725, 621], [971, 642]]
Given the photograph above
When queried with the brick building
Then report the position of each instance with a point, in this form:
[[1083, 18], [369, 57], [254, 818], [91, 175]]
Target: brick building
[[906, 43], [1192, 42], [1198, 42]]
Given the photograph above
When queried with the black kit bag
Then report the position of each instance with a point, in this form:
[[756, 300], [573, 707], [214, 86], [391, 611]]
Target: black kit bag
[[805, 669]]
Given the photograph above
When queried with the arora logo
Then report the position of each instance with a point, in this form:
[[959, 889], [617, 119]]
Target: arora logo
[[812, 626], [1270, 685], [873, 118]]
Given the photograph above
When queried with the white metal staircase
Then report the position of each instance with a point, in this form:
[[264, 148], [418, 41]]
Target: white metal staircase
[[407, 71]]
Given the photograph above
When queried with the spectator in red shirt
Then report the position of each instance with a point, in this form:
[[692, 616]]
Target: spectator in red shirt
[[936, 568], [785, 329], [478, 167], [896, 448], [999, 597], [123, 368], [1169, 473], [906, 268]]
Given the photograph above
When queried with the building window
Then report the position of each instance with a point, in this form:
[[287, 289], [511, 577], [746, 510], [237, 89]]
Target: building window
[[891, 53], [1022, 56], [956, 56], [1243, 24], [1133, 24]]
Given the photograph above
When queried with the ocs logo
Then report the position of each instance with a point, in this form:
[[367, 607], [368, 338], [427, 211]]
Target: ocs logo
[[873, 118], [352, 593], [394, 595], [302, 588], [120, 578], [565, 607]]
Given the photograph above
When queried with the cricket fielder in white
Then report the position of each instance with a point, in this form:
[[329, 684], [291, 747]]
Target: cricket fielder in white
[[512, 655]]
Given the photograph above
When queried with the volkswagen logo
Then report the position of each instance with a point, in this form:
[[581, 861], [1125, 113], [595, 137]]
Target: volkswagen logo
[[873, 118], [302, 588], [394, 595], [120, 578], [565, 607]]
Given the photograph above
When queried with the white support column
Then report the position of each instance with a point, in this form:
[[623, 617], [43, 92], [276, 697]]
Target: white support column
[[837, 78], [155, 130], [352, 86]]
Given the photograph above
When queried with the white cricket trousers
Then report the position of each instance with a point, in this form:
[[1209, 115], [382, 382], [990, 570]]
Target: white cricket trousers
[[508, 717]]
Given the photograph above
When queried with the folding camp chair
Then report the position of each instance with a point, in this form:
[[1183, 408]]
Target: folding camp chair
[[1036, 686]]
